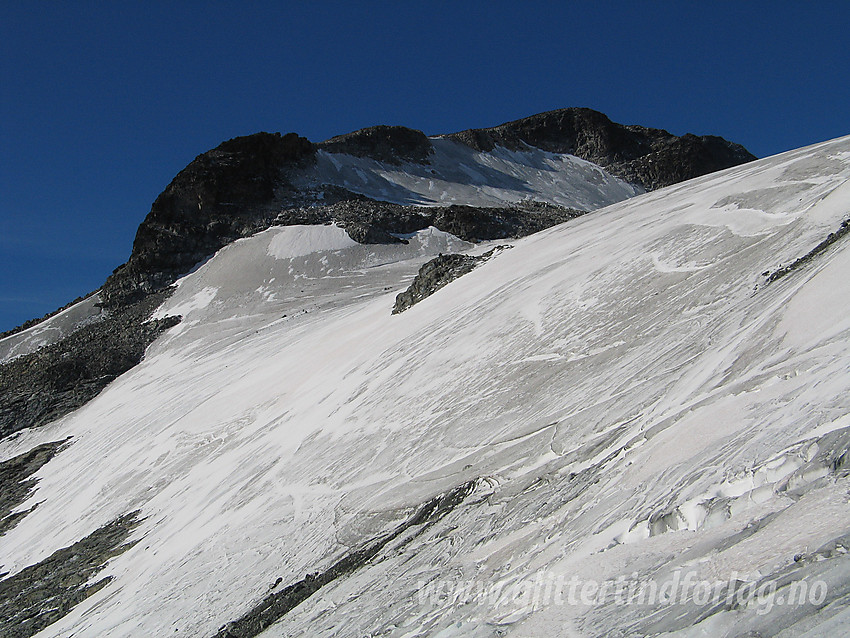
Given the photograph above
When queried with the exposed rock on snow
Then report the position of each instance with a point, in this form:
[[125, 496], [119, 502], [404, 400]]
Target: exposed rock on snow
[[437, 273], [16, 484], [470, 223], [44, 385], [814, 252], [275, 606], [366, 233], [41, 594]]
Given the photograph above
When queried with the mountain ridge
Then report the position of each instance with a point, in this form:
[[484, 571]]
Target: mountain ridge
[[650, 157], [239, 187]]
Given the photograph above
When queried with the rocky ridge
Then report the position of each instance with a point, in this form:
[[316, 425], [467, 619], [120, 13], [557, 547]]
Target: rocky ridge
[[437, 273], [29, 323], [369, 221], [392, 144], [649, 157], [244, 186]]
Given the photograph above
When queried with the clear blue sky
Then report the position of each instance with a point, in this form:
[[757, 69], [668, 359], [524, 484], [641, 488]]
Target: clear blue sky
[[103, 103]]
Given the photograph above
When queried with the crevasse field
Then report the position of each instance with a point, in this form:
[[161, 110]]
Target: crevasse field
[[629, 395]]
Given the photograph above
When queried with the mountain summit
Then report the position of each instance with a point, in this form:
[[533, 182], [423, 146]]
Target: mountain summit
[[651, 158], [250, 183]]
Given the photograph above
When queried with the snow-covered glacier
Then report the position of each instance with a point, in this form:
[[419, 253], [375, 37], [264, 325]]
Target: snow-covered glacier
[[628, 397]]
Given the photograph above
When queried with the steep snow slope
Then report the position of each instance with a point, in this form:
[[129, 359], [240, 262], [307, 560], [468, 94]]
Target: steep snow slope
[[626, 393], [458, 174]]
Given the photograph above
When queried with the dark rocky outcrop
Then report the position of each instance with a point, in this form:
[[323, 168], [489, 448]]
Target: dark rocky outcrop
[[842, 231], [437, 273], [362, 215], [649, 157], [365, 233], [41, 594], [473, 224], [356, 211], [391, 144], [16, 484], [222, 195], [276, 605], [59, 378]]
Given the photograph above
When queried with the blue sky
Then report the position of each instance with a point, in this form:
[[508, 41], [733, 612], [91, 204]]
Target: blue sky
[[101, 104]]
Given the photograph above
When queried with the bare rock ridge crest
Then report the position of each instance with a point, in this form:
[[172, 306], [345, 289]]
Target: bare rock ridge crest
[[649, 157]]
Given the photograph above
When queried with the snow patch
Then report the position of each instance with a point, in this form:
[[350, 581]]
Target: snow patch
[[297, 241], [457, 174]]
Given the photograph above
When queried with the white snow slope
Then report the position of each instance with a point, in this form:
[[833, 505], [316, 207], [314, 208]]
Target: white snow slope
[[458, 174], [629, 396]]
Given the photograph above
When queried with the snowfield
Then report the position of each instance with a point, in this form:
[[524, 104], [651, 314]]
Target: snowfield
[[458, 174], [629, 396]]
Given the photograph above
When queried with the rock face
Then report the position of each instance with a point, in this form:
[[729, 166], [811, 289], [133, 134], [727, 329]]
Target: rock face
[[392, 144], [224, 194], [649, 157], [41, 594], [368, 221], [16, 484]]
